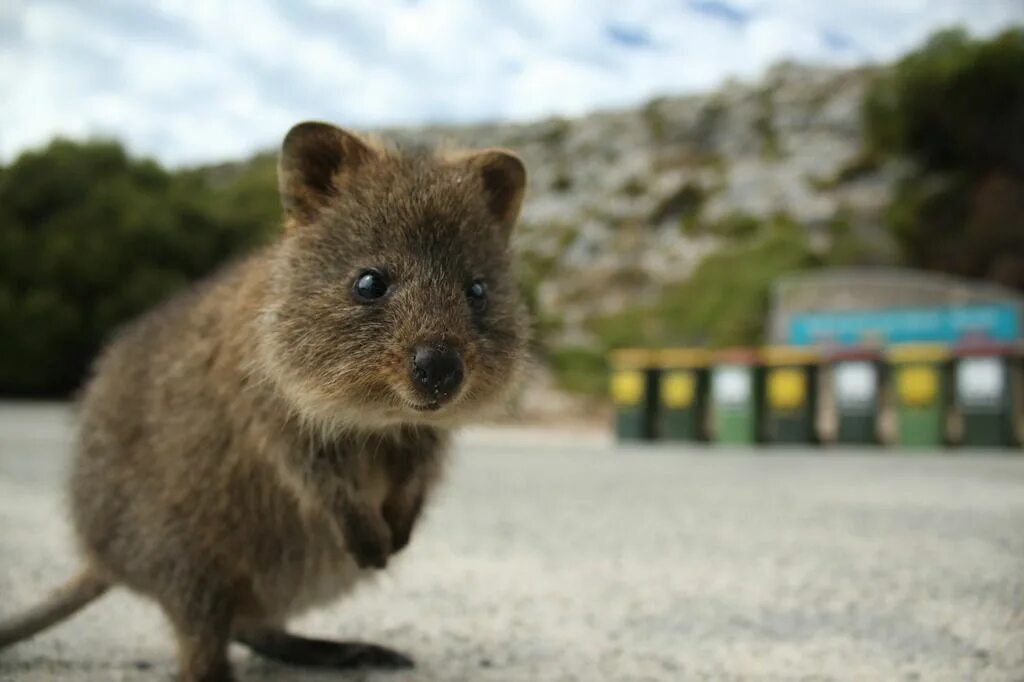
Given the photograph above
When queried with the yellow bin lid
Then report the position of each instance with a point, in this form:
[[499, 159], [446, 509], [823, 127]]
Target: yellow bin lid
[[917, 352], [789, 355], [669, 358], [633, 358]]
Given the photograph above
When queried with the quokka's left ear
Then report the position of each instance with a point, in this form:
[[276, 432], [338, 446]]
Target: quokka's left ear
[[503, 177], [315, 160]]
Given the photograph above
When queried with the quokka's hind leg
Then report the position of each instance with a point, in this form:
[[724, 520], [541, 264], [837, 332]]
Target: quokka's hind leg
[[203, 631], [278, 645]]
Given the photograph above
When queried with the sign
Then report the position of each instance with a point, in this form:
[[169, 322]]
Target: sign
[[996, 322]]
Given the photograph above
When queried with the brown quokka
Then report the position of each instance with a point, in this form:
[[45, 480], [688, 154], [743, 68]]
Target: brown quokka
[[257, 445]]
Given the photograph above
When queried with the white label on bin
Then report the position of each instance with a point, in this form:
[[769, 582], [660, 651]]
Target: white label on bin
[[732, 385], [856, 383], [980, 381]]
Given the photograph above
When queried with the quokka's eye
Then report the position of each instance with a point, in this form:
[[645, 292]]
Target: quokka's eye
[[369, 286], [477, 295]]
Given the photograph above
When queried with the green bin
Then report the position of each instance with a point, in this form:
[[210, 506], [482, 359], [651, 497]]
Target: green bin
[[682, 394], [919, 375], [737, 383], [791, 395], [634, 390], [984, 393], [856, 375]]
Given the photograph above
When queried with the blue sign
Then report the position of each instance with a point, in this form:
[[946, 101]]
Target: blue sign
[[998, 322]]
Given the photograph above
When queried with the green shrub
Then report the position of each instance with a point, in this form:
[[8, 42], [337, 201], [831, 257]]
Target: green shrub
[[655, 119], [956, 104], [956, 107], [683, 205], [764, 126], [733, 226], [723, 303], [89, 238], [579, 369]]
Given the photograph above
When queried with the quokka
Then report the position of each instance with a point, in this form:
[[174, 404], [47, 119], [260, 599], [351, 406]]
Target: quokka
[[262, 442]]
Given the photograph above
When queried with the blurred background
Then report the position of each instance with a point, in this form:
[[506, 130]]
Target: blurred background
[[744, 218], [683, 155]]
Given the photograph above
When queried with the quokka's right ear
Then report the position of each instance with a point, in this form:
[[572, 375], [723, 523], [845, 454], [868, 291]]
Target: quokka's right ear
[[315, 160]]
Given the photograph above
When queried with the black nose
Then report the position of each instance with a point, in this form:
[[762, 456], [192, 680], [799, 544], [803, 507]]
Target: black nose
[[436, 371]]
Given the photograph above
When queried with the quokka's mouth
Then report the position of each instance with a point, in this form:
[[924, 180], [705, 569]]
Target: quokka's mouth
[[432, 403]]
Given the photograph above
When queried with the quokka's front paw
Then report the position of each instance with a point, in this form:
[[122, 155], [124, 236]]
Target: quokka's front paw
[[369, 542]]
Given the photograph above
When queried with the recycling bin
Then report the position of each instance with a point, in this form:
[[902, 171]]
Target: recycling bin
[[682, 394], [737, 385], [1017, 391], [856, 381], [791, 395], [920, 378], [984, 393], [634, 390]]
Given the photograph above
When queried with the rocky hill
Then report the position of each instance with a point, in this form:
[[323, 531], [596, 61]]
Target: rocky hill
[[671, 222], [623, 203], [668, 223]]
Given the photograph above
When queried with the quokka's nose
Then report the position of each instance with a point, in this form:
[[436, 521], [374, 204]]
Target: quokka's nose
[[436, 371]]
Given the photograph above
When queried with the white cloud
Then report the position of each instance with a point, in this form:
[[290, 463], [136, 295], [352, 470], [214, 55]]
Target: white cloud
[[200, 80]]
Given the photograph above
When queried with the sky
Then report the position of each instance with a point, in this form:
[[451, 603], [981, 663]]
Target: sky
[[195, 81]]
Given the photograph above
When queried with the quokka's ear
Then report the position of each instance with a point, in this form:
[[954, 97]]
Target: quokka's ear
[[315, 160], [503, 176]]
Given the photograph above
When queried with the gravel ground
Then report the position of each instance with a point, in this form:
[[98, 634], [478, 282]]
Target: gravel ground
[[555, 556]]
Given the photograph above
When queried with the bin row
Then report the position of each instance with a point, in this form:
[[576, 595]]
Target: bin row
[[924, 395]]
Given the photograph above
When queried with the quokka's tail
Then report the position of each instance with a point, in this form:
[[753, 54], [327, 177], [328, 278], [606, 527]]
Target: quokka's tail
[[58, 605]]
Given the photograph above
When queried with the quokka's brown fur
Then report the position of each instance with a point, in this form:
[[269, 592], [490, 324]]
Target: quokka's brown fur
[[257, 445]]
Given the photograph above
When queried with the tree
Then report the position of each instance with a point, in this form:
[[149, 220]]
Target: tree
[[89, 238], [956, 107]]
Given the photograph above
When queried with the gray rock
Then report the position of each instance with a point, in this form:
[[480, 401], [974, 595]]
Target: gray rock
[[776, 146]]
